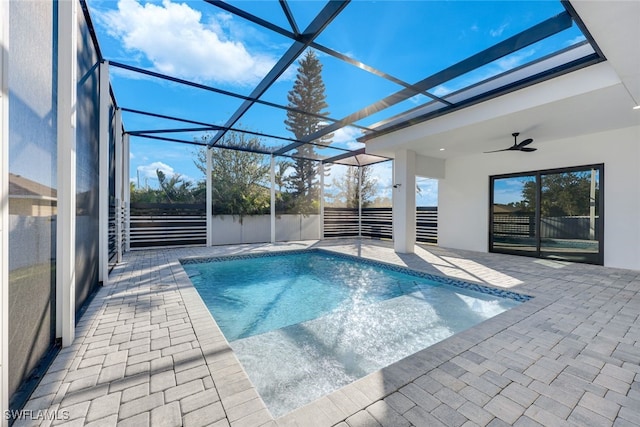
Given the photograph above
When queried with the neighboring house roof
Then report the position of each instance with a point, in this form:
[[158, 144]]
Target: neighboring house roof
[[20, 186]]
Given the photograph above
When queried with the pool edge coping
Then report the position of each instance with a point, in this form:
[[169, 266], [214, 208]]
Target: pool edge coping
[[332, 408]]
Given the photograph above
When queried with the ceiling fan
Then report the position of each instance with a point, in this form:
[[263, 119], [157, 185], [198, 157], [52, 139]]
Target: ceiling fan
[[521, 146]]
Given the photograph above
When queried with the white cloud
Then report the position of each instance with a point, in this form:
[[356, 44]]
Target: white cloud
[[416, 99], [348, 135], [174, 37], [441, 91], [428, 195], [497, 32], [146, 174], [149, 171], [514, 60]]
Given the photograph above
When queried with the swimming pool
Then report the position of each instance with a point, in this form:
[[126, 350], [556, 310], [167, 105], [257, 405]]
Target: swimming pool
[[305, 323]]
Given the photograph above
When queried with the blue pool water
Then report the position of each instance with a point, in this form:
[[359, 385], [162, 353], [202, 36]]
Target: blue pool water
[[329, 319]]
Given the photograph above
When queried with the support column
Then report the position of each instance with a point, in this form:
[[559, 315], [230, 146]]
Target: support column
[[359, 202], [118, 183], [103, 202], [404, 201], [4, 206], [126, 190], [66, 206], [321, 200], [209, 199], [273, 199]]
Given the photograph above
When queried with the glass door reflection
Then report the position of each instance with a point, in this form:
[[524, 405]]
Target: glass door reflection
[[513, 215], [570, 214]]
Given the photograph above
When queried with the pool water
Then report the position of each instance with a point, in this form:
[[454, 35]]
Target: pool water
[[305, 324]]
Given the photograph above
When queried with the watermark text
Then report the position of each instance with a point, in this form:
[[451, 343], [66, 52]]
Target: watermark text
[[39, 415]]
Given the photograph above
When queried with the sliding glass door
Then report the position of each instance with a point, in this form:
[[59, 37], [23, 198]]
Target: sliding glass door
[[556, 214], [570, 215], [513, 215]]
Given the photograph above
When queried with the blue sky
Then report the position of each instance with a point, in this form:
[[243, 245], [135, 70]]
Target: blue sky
[[196, 41]]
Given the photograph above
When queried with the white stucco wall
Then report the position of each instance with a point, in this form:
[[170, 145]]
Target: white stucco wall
[[463, 199]]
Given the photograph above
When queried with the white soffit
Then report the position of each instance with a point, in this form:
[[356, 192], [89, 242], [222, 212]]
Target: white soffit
[[615, 26]]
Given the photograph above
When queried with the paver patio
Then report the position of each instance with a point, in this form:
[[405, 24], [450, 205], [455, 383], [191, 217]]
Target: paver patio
[[147, 352]]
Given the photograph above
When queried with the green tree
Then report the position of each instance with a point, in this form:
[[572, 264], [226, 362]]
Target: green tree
[[307, 94], [348, 187], [174, 189], [562, 194], [240, 179]]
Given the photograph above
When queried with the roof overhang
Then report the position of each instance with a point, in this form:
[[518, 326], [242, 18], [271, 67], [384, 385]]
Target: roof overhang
[[591, 99]]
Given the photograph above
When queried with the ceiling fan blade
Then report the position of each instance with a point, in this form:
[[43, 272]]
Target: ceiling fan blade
[[528, 149], [525, 142], [496, 151]]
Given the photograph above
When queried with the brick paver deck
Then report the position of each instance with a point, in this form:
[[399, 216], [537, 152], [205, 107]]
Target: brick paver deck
[[147, 352]]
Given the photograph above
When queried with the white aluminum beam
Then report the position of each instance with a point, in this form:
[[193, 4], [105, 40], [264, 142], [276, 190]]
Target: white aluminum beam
[[4, 208], [360, 202], [126, 190], [321, 168], [273, 199], [209, 198], [103, 202], [118, 183], [66, 166]]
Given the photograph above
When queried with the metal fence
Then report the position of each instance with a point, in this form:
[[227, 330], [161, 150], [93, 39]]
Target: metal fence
[[157, 225], [427, 224], [378, 223], [562, 227], [167, 224]]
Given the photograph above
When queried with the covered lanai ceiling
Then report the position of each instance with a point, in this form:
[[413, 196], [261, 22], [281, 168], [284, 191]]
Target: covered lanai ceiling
[[194, 72]]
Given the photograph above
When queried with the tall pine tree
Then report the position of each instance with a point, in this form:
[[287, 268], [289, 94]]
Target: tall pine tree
[[307, 94]]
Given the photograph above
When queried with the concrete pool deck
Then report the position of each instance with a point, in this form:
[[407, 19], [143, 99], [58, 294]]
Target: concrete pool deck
[[147, 352]]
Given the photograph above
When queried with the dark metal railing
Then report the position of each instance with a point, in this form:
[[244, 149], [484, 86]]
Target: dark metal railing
[[378, 223], [156, 224], [167, 224]]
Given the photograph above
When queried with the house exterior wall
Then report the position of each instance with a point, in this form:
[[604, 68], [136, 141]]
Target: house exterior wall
[[463, 196]]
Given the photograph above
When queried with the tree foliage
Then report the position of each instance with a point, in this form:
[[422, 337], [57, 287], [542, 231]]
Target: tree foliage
[[307, 94], [348, 187], [240, 179], [172, 189], [562, 194]]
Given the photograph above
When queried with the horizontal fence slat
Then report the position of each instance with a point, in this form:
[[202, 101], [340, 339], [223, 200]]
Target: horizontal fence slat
[[167, 224], [378, 223], [154, 225]]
